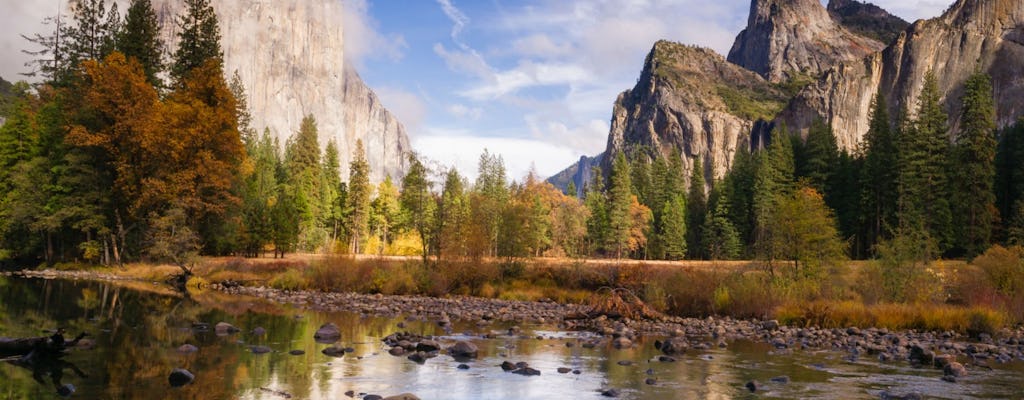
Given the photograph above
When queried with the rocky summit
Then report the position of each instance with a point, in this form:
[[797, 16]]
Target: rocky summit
[[290, 57], [788, 38]]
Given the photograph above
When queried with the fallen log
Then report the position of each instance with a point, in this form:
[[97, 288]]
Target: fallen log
[[48, 344]]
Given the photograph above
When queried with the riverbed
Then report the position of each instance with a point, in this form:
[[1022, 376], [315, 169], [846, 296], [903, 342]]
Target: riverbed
[[138, 332]]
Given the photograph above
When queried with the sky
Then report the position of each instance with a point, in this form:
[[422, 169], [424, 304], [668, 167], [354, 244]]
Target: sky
[[531, 80]]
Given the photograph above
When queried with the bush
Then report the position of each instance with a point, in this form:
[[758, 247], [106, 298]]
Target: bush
[[289, 280]]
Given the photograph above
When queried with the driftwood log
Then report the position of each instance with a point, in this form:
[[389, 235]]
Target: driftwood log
[[54, 344]]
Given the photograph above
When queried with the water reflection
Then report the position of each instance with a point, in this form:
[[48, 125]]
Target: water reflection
[[138, 331]]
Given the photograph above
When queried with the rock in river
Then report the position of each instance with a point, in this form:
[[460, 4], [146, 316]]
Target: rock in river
[[180, 377], [463, 350], [224, 328], [328, 332]]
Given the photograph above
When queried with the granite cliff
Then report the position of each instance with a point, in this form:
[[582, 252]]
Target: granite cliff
[[290, 56], [972, 35], [788, 38]]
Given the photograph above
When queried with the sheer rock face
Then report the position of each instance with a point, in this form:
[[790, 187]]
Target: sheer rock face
[[784, 38], [867, 19], [985, 35], [290, 57], [580, 174], [691, 100]]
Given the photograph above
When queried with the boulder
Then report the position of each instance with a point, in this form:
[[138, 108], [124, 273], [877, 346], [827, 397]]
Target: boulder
[[187, 349], [954, 369], [403, 396], [463, 350], [333, 351], [622, 342], [428, 346], [224, 328], [328, 332], [180, 377], [674, 346]]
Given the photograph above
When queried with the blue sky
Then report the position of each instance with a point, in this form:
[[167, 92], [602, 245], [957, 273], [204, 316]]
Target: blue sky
[[532, 80]]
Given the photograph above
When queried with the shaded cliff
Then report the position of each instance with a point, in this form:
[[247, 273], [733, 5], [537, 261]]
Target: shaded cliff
[[580, 174], [867, 19], [973, 35], [290, 56]]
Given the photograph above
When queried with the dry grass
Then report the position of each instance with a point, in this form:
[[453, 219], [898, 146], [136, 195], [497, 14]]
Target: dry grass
[[927, 317]]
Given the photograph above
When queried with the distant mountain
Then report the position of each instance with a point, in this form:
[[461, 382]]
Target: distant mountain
[[867, 20], [579, 174]]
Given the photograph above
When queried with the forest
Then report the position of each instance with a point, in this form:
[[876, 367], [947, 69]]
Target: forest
[[118, 155]]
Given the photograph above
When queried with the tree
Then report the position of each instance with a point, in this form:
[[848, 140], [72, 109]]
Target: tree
[[773, 177], [417, 202], [696, 210], [95, 32], [620, 200], [673, 228], [819, 156], [1010, 183], [720, 239], [358, 198], [331, 216], [386, 212], [260, 195], [802, 230], [975, 153], [139, 38], [492, 187], [198, 38], [923, 163], [879, 177], [596, 201], [452, 217]]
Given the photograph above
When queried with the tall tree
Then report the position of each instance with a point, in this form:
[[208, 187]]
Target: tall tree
[[773, 177], [673, 228], [331, 215], [720, 239], [492, 187], [696, 210], [923, 182], [260, 195], [596, 201], [1010, 183], [302, 160], [358, 198], [140, 39], [818, 156], [418, 203], [198, 38], [452, 217], [974, 172], [803, 231], [879, 176], [620, 200], [386, 213]]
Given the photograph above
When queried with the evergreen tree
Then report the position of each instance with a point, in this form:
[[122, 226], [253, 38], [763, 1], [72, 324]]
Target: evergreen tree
[[673, 228], [620, 198], [696, 210], [199, 38], [386, 213], [1010, 181], [923, 184], [140, 39], [719, 238], [242, 113], [302, 159], [330, 216], [94, 33], [773, 178], [818, 157], [974, 170], [492, 189], [418, 203], [358, 198], [260, 195], [879, 176], [452, 217], [596, 201], [571, 189]]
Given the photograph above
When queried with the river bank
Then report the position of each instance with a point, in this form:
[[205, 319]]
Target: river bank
[[921, 348]]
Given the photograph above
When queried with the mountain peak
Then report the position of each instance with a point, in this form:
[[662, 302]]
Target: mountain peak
[[867, 19], [788, 38]]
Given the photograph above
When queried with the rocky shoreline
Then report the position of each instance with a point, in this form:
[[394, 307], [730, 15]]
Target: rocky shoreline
[[939, 349]]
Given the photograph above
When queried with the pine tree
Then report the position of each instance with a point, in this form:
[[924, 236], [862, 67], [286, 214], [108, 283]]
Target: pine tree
[[673, 228], [620, 197], [260, 195], [386, 213], [452, 217], [879, 176], [819, 156], [974, 170], [596, 201], [1010, 182], [199, 38], [773, 178], [242, 112], [418, 203], [720, 239], [358, 198], [923, 184], [492, 188], [94, 33], [330, 187], [696, 210], [140, 39]]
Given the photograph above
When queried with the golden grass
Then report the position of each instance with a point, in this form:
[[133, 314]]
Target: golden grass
[[926, 317]]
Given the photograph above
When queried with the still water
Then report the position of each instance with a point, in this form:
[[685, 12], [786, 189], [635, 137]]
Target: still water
[[137, 330]]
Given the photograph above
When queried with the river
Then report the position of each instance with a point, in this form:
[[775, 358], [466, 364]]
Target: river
[[136, 331]]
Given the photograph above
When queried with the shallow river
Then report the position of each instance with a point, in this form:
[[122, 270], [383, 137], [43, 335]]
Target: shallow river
[[137, 331]]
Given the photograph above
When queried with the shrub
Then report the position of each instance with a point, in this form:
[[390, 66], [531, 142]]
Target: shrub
[[289, 280]]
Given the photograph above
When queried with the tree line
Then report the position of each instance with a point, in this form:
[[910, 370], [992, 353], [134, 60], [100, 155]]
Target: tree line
[[118, 155]]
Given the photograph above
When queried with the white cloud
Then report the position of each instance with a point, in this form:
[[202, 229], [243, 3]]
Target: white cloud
[[462, 150], [461, 111], [540, 45], [362, 38], [528, 74], [459, 20], [464, 61]]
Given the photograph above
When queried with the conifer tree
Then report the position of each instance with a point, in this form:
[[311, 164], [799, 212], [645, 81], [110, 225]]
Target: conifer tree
[[1010, 182], [140, 39], [696, 210], [386, 213], [673, 228], [879, 177], [418, 203], [974, 170], [719, 237], [596, 201], [199, 38], [358, 198], [620, 197], [923, 184], [452, 217]]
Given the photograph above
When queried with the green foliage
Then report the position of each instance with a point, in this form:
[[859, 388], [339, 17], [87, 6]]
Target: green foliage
[[620, 198], [901, 271], [198, 38], [673, 227], [720, 239], [879, 177], [359, 191], [417, 203], [802, 230], [974, 175], [696, 210], [171, 240], [1009, 185], [139, 38], [750, 103]]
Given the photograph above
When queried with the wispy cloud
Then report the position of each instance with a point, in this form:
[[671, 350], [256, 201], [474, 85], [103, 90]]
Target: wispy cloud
[[362, 37], [459, 20]]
